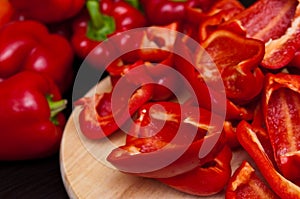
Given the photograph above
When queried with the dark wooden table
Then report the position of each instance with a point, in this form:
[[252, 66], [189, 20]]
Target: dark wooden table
[[32, 179]]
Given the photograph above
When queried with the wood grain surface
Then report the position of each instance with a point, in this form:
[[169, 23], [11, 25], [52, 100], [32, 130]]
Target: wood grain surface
[[86, 174]]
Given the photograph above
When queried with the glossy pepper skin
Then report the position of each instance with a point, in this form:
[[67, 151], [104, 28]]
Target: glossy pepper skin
[[48, 11], [27, 45], [31, 122], [100, 20]]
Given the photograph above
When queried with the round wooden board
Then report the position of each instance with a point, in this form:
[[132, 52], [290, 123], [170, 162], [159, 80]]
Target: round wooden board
[[87, 175]]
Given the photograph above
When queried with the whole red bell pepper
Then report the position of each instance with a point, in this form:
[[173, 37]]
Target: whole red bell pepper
[[164, 12], [281, 101], [48, 11], [100, 20], [27, 45], [6, 12], [30, 115]]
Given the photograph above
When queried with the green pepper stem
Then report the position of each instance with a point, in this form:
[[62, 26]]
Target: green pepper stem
[[100, 25], [95, 14], [134, 3], [55, 108]]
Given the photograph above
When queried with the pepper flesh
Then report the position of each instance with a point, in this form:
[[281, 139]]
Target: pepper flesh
[[246, 184], [281, 107]]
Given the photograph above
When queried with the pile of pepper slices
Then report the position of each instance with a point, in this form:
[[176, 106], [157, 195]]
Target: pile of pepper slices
[[257, 53]]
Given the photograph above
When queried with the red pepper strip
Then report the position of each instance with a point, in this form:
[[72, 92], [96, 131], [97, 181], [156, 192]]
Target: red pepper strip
[[205, 180], [30, 117], [237, 59], [279, 184], [48, 11], [281, 107], [246, 184], [266, 19], [157, 148], [281, 51], [27, 45]]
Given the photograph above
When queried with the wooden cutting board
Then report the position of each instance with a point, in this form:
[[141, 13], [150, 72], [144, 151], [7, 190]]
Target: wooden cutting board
[[87, 175]]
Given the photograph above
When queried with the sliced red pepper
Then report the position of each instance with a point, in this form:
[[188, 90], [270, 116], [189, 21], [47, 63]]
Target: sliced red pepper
[[97, 119], [250, 142], [246, 184], [48, 11], [281, 107], [220, 12], [207, 96], [281, 51], [27, 45], [206, 180], [168, 144], [266, 19], [31, 119], [237, 59]]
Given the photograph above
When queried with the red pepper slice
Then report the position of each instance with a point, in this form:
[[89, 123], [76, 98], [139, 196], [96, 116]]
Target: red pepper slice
[[97, 120], [266, 19], [167, 141], [250, 142], [281, 51], [246, 184], [33, 101], [281, 107], [237, 59], [206, 180], [219, 13]]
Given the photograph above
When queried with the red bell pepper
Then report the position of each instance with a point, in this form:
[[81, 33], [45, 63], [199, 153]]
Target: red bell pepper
[[164, 12], [206, 180], [48, 11], [6, 12], [246, 184], [278, 183], [31, 118], [101, 20], [167, 139], [281, 112], [27, 45]]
